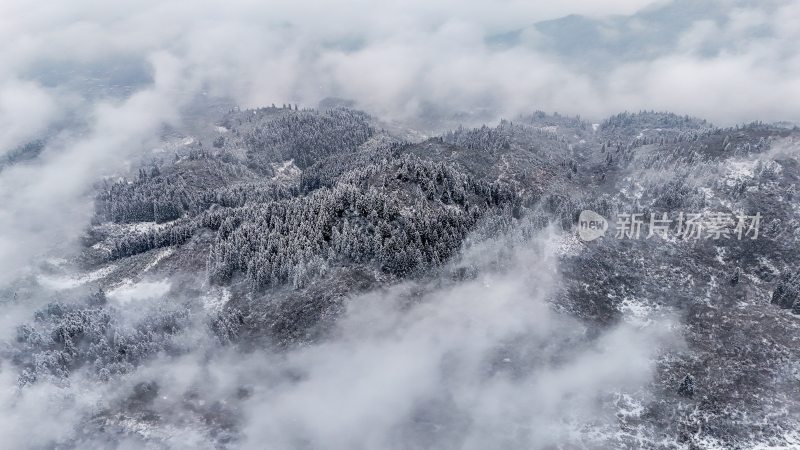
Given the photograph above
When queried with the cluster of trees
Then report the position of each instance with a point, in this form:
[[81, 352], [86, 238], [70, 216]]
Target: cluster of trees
[[674, 194], [326, 172], [542, 119], [391, 205], [682, 137], [306, 136], [484, 139], [542, 136], [241, 194], [652, 120], [440, 181], [187, 187], [277, 231], [66, 337], [25, 152], [289, 242], [146, 200], [399, 212], [133, 242], [400, 216], [787, 293]]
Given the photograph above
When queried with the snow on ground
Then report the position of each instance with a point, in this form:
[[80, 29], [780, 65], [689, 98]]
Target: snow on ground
[[173, 144], [708, 192], [137, 227], [285, 171], [633, 190], [713, 284], [103, 246], [568, 244], [159, 256], [637, 313], [707, 442], [628, 406], [739, 170], [75, 280], [216, 298], [721, 251]]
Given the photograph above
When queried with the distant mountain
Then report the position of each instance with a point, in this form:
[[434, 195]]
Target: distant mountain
[[596, 44]]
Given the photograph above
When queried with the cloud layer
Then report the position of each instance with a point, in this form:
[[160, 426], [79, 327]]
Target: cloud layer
[[99, 79], [473, 365]]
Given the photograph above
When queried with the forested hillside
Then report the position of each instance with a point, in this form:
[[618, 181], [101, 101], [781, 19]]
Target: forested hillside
[[269, 225]]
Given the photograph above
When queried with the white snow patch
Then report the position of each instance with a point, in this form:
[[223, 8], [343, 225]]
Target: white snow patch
[[595, 126], [629, 407], [721, 254], [740, 170], [713, 284], [635, 312], [216, 298], [137, 227], [707, 442], [102, 246], [633, 190], [286, 170], [161, 255], [569, 244], [791, 440], [72, 281], [221, 129]]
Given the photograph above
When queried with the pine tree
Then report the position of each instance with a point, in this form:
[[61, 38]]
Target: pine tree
[[686, 388]]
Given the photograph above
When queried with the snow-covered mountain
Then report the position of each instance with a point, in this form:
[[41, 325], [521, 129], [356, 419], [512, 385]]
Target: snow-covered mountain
[[296, 278]]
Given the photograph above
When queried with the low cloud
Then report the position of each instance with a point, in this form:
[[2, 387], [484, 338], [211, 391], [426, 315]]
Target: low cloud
[[477, 365], [471, 365], [47, 201], [25, 112]]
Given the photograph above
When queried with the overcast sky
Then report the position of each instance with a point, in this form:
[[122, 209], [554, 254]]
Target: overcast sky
[[106, 75]]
